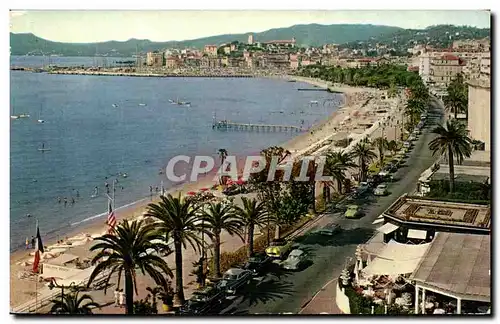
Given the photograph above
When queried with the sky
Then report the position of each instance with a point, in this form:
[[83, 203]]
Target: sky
[[96, 26]]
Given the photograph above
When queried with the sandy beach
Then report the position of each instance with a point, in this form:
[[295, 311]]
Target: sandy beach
[[350, 120]]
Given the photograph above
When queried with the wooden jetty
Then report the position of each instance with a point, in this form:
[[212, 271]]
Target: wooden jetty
[[227, 125]]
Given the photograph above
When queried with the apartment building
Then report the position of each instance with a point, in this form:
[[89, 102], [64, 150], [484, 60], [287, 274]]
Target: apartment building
[[444, 69], [479, 111], [173, 62], [154, 59], [210, 50]]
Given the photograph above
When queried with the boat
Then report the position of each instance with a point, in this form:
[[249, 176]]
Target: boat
[[24, 116], [315, 102], [43, 149], [114, 105], [40, 120], [142, 104], [14, 117]]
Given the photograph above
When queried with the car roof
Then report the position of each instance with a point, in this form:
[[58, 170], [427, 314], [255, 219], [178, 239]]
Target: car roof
[[235, 271], [382, 185], [296, 252], [352, 206]]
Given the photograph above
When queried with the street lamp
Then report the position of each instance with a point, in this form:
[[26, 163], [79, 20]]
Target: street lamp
[[53, 284]]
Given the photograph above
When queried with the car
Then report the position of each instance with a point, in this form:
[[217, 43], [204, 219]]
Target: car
[[362, 188], [207, 300], [417, 132], [295, 261], [278, 249], [353, 211], [407, 144], [233, 279], [381, 190], [329, 230], [412, 138], [259, 264]]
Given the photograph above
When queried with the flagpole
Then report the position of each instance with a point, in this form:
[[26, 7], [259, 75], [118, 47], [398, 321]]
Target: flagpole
[[37, 275], [113, 199]]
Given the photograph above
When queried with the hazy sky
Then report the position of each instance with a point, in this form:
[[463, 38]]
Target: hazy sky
[[92, 26]]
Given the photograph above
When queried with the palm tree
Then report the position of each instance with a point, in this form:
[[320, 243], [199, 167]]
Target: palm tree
[[218, 217], [365, 155], [178, 220], [253, 213], [124, 252], [413, 109], [381, 144], [457, 97], [337, 163], [452, 139], [74, 304], [392, 146], [222, 155]]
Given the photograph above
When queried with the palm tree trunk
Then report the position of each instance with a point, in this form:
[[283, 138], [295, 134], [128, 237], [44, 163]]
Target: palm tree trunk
[[179, 290], [339, 186], [456, 111], [452, 170], [129, 293], [277, 232], [250, 231], [217, 255]]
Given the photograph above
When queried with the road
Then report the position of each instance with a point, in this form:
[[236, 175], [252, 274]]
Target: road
[[290, 292]]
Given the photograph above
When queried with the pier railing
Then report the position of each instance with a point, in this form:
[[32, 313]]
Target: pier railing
[[227, 125]]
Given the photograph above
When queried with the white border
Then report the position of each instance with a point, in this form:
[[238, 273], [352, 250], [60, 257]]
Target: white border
[[193, 4]]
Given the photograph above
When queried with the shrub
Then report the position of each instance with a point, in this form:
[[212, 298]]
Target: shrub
[[464, 191]]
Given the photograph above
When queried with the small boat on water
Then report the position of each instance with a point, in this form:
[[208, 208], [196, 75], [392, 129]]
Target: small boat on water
[[114, 105], [180, 103], [24, 116], [142, 104], [43, 149], [41, 121], [14, 117], [313, 102]]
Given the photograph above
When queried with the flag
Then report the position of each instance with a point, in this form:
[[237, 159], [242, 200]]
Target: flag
[[38, 249], [111, 217]]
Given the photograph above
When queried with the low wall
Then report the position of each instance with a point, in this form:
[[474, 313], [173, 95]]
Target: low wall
[[342, 301], [51, 270]]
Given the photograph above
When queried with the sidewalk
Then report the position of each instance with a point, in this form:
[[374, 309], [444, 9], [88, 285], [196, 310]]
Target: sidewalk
[[323, 301]]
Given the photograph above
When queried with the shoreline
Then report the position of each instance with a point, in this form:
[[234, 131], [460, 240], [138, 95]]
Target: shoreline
[[301, 142]]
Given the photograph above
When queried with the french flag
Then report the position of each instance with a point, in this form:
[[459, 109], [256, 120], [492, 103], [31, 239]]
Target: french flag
[[111, 217], [38, 249]]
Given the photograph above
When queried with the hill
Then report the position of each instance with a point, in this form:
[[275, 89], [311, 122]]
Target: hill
[[305, 35]]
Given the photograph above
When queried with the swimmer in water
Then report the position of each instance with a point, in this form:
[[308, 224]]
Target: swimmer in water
[[65, 201], [77, 194], [28, 215], [72, 200], [59, 199]]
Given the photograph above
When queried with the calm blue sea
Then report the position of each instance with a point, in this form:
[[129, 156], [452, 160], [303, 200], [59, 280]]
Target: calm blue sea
[[90, 140]]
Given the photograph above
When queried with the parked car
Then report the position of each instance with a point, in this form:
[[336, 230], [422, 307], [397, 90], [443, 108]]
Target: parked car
[[381, 190], [412, 138], [295, 261], [278, 249], [329, 230], [353, 211], [204, 301], [259, 264], [363, 188], [407, 144], [233, 279]]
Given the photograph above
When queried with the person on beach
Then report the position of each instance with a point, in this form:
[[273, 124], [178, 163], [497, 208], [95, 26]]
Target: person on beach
[[117, 297], [27, 243], [65, 201], [32, 242], [59, 199], [122, 298], [72, 201], [106, 184], [122, 188], [156, 189], [77, 194]]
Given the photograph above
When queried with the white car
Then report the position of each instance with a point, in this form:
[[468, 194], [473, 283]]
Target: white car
[[381, 190], [296, 259]]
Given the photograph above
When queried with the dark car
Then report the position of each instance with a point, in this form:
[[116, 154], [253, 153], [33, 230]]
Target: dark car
[[208, 300], [259, 264], [234, 279]]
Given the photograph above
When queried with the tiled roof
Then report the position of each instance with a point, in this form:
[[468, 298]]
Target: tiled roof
[[449, 57]]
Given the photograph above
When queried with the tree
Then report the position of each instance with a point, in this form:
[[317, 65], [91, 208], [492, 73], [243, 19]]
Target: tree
[[178, 220], [73, 304], [381, 144], [365, 155], [218, 217], [452, 139], [337, 163], [252, 213], [127, 250], [393, 147], [222, 155], [457, 98]]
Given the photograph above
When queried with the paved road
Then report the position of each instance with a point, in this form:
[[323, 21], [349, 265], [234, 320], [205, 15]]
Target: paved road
[[290, 292]]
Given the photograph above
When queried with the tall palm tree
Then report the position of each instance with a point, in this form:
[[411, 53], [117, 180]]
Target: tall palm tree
[[252, 213], [179, 220], [223, 155], [381, 144], [457, 98], [74, 304], [392, 146], [414, 107], [452, 139], [218, 217], [126, 251], [362, 151], [337, 163]]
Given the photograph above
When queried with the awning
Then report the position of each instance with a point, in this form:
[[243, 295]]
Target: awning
[[378, 220], [396, 258], [63, 259], [417, 234], [387, 228]]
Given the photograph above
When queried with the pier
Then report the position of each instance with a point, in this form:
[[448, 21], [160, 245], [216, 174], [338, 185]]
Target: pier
[[227, 125], [312, 89]]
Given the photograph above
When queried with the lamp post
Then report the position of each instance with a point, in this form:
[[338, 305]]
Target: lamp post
[[53, 284]]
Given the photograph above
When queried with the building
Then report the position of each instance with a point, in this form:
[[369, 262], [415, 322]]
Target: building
[[411, 218], [227, 50], [154, 59], [281, 43], [444, 69], [210, 62], [250, 39], [485, 67], [210, 50], [479, 109], [173, 62]]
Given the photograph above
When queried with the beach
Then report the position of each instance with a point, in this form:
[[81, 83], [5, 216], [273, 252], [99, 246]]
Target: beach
[[347, 121]]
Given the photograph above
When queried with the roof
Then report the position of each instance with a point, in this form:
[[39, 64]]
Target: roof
[[296, 252], [63, 259], [458, 264], [432, 213], [280, 41], [397, 258], [449, 57]]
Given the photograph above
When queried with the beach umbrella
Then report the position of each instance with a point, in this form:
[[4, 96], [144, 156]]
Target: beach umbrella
[[204, 189], [191, 193], [240, 181]]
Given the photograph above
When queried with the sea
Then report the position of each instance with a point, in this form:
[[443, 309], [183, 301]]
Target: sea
[[97, 128]]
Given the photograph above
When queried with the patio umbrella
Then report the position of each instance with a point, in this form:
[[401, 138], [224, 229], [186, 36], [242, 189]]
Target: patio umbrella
[[191, 193], [240, 181], [229, 182], [204, 189]]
